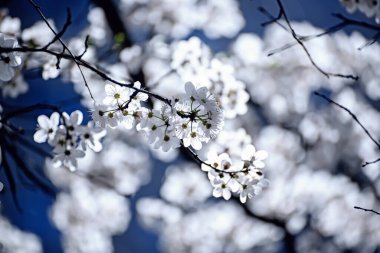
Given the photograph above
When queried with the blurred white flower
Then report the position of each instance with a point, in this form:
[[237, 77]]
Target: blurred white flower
[[15, 241], [14, 87], [10, 60], [67, 158], [90, 136], [185, 186]]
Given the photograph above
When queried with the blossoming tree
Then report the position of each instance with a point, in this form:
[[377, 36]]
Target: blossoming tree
[[208, 115]]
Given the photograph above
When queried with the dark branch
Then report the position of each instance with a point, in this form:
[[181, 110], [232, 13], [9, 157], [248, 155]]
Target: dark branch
[[38, 9], [87, 65], [356, 120], [11, 177], [366, 210], [352, 115], [43, 183], [371, 42], [299, 40], [307, 38], [372, 162], [85, 47], [60, 34], [27, 109]]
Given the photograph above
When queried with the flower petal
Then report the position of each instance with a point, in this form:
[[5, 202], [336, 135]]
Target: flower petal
[[40, 136], [43, 122], [261, 155]]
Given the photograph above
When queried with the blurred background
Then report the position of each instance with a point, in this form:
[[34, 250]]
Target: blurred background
[[316, 150]]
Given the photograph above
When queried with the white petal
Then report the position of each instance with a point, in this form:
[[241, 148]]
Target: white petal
[[186, 142], [96, 146], [6, 72], [226, 194], [43, 122], [110, 89], [137, 85], [217, 192], [261, 155], [77, 153], [234, 185], [54, 119], [243, 197], [9, 43], [40, 136], [248, 153], [197, 145], [258, 164], [80, 117], [109, 100], [15, 60], [189, 88]]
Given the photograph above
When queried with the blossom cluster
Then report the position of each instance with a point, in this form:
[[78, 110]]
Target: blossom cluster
[[121, 106], [182, 210], [92, 184], [192, 60], [244, 177], [308, 141], [371, 8], [83, 214], [68, 137], [175, 19], [193, 118], [14, 240], [301, 135], [92, 203]]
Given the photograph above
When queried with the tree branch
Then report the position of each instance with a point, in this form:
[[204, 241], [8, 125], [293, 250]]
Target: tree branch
[[38, 9], [356, 120], [366, 210], [299, 40]]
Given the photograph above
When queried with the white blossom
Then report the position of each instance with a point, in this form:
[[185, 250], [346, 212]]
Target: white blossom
[[47, 128], [68, 158], [8, 61], [369, 7], [17, 241], [90, 136], [14, 87]]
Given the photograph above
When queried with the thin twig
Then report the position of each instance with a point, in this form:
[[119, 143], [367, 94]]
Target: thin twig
[[65, 26], [38, 9], [371, 42], [372, 162], [352, 115], [299, 40], [86, 65], [200, 161], [85, 47], [30, 108], [332, 29], [366, 210], [356, 120]]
